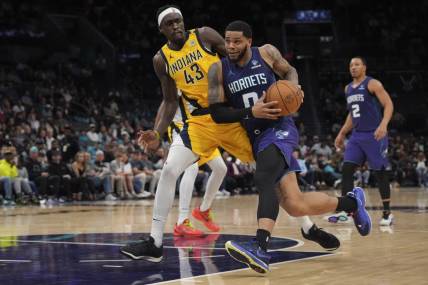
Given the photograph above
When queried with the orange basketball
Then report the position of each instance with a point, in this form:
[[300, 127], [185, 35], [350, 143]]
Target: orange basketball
[[288, 95]]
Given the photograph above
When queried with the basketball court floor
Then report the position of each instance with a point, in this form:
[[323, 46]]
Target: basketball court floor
[[78, 244]]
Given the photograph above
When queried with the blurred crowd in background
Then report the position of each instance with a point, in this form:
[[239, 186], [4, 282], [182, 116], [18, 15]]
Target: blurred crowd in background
[[67, 135]]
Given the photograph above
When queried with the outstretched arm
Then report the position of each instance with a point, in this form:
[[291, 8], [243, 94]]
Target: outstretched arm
[[279, 65]]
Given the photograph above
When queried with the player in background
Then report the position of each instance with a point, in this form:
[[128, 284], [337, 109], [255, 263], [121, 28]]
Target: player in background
[[365, 98]]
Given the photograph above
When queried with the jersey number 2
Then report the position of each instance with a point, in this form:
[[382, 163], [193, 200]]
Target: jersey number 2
[[198, 75], [355, 110]]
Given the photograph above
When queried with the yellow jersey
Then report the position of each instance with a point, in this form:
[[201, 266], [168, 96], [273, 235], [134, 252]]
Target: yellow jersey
[[188, 67]]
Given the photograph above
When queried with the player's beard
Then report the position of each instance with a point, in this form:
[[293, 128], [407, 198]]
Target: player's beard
[[240, 56]]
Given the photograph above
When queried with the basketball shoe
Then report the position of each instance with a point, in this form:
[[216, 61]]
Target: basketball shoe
[[206, 218], [387, 219], [145, 249], [186, 229], [250, 254], [323, 238], [338, 218], [361, 217]]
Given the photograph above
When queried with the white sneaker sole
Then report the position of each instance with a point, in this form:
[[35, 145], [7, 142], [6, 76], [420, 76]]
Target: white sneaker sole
[[147, 258]]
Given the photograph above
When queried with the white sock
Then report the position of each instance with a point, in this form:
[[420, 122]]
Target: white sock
[[218, 173], [179, 158], [305, 223], [186, 189]]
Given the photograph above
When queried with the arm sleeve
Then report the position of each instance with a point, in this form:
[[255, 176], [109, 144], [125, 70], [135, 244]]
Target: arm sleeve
[[222, 113]]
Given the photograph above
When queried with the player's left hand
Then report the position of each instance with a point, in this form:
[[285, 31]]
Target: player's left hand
[[149, 140], [380, 132]]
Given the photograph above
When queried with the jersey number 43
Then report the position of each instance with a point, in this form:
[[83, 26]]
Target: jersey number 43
[[196, 74]]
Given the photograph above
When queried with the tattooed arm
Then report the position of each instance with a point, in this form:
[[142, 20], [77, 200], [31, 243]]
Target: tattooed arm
[[279, 65]]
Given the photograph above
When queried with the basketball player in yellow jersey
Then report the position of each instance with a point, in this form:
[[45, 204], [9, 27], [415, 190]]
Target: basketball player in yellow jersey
[[182, 64]]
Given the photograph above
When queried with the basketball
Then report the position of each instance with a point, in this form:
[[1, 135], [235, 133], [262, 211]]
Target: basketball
[[288, 95]]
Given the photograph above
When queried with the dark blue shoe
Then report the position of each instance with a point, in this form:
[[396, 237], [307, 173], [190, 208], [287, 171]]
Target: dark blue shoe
[[361, 217], [249, 253]]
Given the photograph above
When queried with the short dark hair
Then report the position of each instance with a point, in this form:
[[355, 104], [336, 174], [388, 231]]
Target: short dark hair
[[163, 8], [240, 26], [361, 58]]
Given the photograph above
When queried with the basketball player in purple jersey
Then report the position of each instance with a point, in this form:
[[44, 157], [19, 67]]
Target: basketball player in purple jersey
[[236, 87], [365, 98]]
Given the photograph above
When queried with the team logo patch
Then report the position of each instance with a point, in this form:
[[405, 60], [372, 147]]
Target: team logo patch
[[255, 64], [192, 43], [385, 153], [281, 134]]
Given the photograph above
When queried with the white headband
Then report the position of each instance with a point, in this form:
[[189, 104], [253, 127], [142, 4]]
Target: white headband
[[166, 12]]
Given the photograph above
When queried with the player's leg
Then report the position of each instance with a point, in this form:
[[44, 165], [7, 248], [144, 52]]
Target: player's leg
[[353, 157], [269, 169], [183, 227], [218, 172], [297, 203], [376, 152], [179, 158], [382, 178], [348, 170], [310, 231]]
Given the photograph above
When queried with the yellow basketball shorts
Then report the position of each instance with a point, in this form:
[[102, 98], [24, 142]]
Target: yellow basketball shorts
[[174, 131], [203, 136]]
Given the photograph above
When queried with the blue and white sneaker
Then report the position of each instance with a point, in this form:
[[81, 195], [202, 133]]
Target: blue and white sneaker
[[361, 217], [250, 254]]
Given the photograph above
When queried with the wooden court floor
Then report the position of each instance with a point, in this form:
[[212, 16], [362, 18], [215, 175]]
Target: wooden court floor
[[391, 255]]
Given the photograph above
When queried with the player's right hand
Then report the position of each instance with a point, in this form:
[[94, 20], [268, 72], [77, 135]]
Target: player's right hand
[[264, 110], [339, 142], [149, 140]]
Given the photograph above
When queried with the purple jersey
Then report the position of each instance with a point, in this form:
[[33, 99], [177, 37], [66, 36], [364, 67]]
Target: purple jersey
[[363, 106], [243, 86]]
